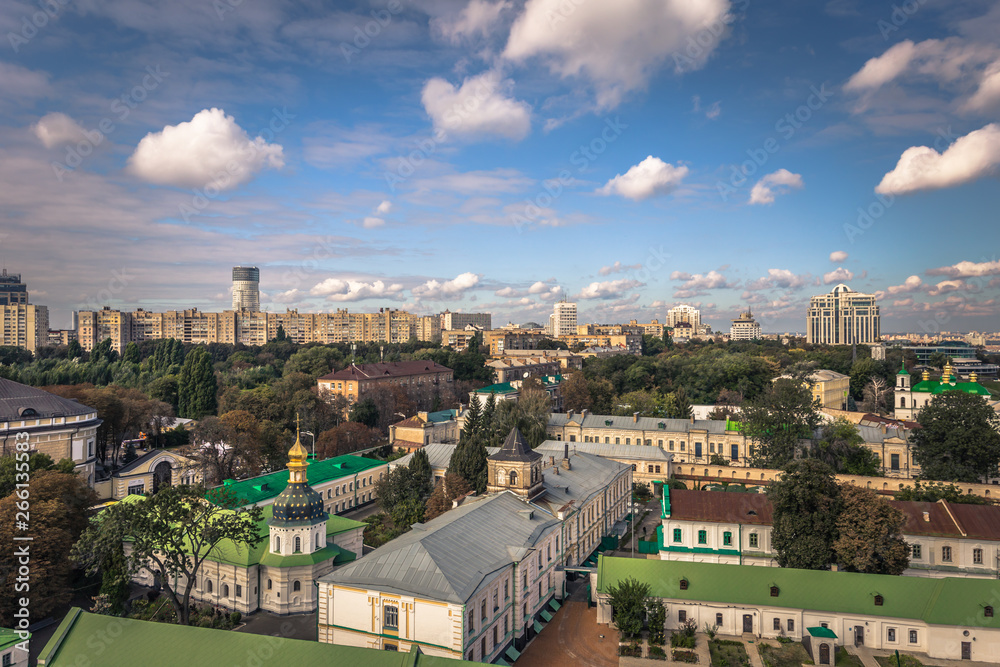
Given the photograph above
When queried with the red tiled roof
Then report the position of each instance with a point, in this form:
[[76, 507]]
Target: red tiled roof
[[720, 507], [938, 522], [389, 369]]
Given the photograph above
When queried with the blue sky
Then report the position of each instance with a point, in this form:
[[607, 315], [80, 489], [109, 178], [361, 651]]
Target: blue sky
[[500, 155]]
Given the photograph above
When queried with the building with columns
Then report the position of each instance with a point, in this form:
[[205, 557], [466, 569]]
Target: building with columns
[[843, 317]]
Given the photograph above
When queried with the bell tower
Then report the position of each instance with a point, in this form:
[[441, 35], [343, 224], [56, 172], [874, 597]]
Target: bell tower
[[516, 467]]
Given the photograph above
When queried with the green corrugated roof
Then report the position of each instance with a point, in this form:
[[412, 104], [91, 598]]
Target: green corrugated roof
[[94, 639], [820, 631], [9, 637], [441, 416], [252, 491], [502, 388], [947, 601]]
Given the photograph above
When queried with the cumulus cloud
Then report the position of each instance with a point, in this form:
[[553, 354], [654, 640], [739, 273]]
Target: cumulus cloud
[[967, 270], [371, 222], [476, 19], [947, 286], [335, 289], [969, 158], [911, 284], [649, 178], [56, 129], [209, 149], [777, 182], [618, 267], [778, 278], [608, 289], [434, 289], [838, 256], [987, 95], [838, 275], [697, 283], [617, 45], [481, 107]]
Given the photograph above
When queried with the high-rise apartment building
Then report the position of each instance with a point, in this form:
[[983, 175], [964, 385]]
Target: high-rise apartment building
[[453, 321], [563, 319], [12, 290], [246, 288], [744, 327], [24, 325], [843, 317], [684, 315]]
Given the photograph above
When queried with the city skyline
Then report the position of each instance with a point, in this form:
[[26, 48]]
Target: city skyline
[[429, 156]]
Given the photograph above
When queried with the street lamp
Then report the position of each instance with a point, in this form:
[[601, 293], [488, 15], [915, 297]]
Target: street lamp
[[310, 433]]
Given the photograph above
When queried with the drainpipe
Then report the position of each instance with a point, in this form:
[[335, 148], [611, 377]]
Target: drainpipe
[[741, 543]]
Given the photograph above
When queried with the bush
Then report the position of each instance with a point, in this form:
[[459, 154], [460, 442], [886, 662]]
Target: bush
[[630, 650], [657, 653], [784, 640], [711, 630], [205, 622], [685, 656], [235, 618], [680, 640]]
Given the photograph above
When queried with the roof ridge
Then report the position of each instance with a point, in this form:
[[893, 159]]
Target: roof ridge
[[958, 524]]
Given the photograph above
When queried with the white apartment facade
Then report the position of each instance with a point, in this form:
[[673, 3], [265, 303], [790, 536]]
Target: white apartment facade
[[843, 317]]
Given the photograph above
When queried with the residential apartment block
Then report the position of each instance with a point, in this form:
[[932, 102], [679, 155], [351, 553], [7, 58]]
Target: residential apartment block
[[843, 317], [689, 316], [415, 376], [562, 321], [24, 325], [744, 327], [453, 321], [12, 290]]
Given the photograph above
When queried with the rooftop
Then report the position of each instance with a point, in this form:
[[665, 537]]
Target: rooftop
[[719, 507], [168, 644], [606, 450], [946, 601], [388, 369], [438, 453], [264, 487], [560, 419], [19, 402]]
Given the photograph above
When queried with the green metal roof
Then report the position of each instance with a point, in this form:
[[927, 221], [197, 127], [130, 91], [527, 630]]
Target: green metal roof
[[946, 601], [441, 416], [820, 631], [265, 487], [9, 637], [94, 639], [501, 388]]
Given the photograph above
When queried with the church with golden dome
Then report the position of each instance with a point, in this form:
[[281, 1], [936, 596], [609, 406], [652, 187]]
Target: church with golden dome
[[910, 400]]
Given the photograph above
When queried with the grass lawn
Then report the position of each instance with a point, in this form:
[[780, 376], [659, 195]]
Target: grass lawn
[[786, 655], [728, 653], [845, 659], [906, 660]]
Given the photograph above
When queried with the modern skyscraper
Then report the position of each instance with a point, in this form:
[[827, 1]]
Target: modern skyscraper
[[843, 317], [744, 327], [684, 314], [563, 321], [246, 288], [12, 290]]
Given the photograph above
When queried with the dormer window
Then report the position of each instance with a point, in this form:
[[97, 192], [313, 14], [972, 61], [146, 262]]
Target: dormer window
[[879, 600], [988, 611], [684, 584], [774, 591]]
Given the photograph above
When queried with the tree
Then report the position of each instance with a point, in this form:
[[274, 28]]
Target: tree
[[628, 605], [777, 419], [115, 583], [170, 535], [10, 476], [420, 467], [958, 438], [805, 503], [399, 495], [575, 392], [840, 447], [679, 407], [877, 396], [59, 502], [197, 386], [345, 438], [468, 461], [870, 534], [935, 491], [365, 412], [131, 354], [103, 351], [439, 502], [74, 350]]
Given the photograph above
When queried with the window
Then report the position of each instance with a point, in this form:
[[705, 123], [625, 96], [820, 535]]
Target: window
[[702, 537], [682, 615], [682, 445], [677, 534], [239, 591], [684, 584], [208, 585], [298, 544], [496, 635], [894, 461], [296, 586], [657, 469], [8, 659], [977, 556], [890, 635], [550, 552], [735, 453], [718, 619], [727, 539], [277, 545], [791, 625], [482, 610], [472, 622], [777, 625], [774, 591], [915, 551], [754, 541], [671, 445], [268, 584], [628, 441], [390, 617], [988, 611], [482, 647], [946, 554], [711, 448], [390, 647], [496, 600], [524, 580], [913, 636], [618, 441], [879, 600], [225, 590], [506, 594], [506, 626]]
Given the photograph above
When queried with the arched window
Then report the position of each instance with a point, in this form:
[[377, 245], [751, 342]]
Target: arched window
[[208, 585], [317, 541], [268, 584], [902, 401], [296, 586], [225, 590], [277, 545], [501, 477], [298, 544], [513, 478]]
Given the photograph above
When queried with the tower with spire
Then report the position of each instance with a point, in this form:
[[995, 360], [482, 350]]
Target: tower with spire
[[516, 467], [298, 519]]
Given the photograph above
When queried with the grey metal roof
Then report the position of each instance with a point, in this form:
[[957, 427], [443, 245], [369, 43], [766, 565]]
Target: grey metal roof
[[587, 476], [438, 453], [559, 419], [515, 448], [606, 450], [449, 557], [15, 398]]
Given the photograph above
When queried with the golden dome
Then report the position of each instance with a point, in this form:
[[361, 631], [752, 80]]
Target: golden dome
[[297, 453]]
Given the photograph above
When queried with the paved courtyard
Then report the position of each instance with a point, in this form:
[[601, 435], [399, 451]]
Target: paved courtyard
[[573, 638]]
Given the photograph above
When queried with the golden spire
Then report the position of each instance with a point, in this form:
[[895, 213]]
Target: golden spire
[[926, 375], [297, 456], [948, 374]]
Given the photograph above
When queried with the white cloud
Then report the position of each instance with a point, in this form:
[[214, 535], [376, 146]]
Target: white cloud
[[968, 270], [649, 178], [384, 207], [777, 182], [56, 129], [545, 290], [714, 110], [608, 289], [335, 289], [969, 158], [911, 284], [618, 267], [698, 283], [947, 286], [778, 278], [882, 69], [987, 95], [838, 256], [371, 222], [838, 275], [480, 108], [434, 289], [475, 20], [18, 82], [617, 45], [210, 149]]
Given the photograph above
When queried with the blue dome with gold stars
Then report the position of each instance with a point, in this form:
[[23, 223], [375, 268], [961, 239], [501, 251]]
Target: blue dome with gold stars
[[299, 502]]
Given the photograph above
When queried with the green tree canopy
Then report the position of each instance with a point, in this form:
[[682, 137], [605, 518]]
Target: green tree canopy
[[958, 439], [197, 387], [777, 419], [805, 504], [870, 534], [628, 605], [840, 447]]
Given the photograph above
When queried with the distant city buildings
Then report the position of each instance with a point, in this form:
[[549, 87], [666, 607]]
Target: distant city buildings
[[843, 317], [562, 321], [24, 325], [246, 288], [12, 290], [744, 327], [454, 321], [684, 315], [419, 378]]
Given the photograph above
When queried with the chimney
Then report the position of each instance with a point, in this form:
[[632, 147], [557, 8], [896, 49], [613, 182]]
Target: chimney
[[635, 416], [566, 450], [692, 418], [585, 411], [555, 469], [883, 429], [552, 460], [569, 413], [927, 517]]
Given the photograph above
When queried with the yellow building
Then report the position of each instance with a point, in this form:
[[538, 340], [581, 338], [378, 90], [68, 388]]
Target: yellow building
[[830, 388], [24, 325]]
